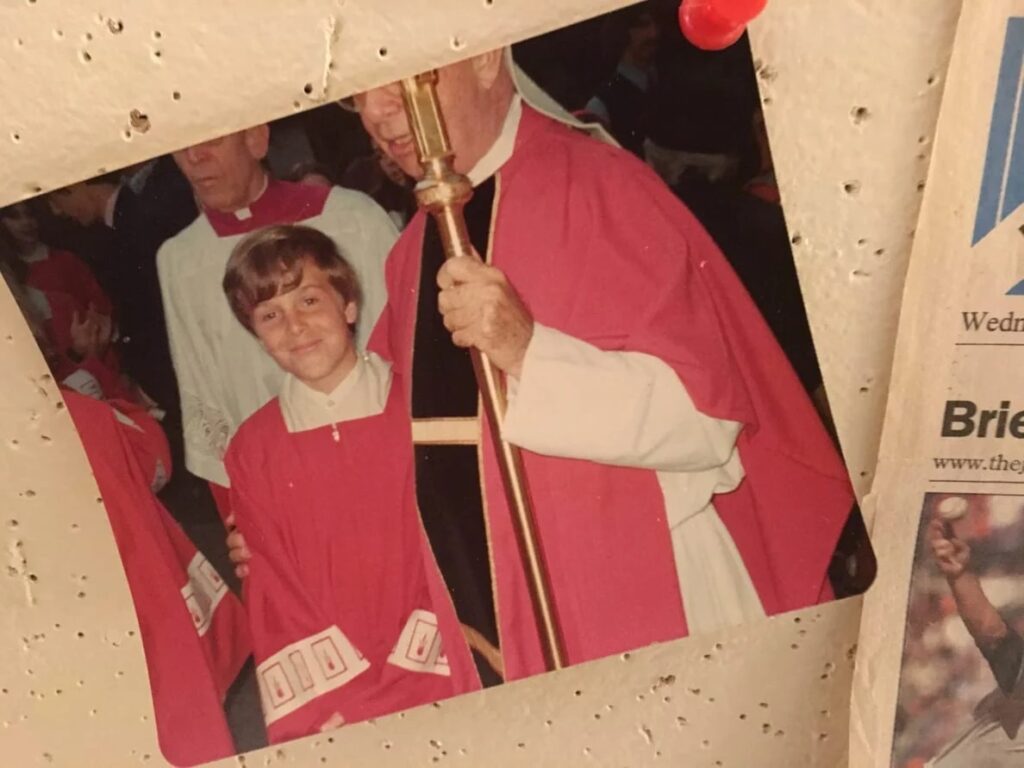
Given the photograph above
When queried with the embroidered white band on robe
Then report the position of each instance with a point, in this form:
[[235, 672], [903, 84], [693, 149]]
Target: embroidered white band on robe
[[203, 592], [419, 646], [306, 669]]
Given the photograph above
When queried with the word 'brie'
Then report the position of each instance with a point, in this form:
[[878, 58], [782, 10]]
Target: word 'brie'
[[963, 418]]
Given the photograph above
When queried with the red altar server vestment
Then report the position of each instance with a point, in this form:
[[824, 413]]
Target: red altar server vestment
[[347, 611], [610, 263], [193, 629]]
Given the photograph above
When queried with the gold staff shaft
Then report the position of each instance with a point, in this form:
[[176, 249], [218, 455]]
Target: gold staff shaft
[[444, 194]]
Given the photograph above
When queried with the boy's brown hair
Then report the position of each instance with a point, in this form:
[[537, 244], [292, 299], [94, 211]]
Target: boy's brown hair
[[269, 262]]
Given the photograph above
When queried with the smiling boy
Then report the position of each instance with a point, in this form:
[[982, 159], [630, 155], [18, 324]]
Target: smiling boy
[[349, 616]]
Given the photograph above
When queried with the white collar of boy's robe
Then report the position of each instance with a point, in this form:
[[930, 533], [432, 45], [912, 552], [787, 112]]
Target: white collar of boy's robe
[[363, 393], [501, 149]]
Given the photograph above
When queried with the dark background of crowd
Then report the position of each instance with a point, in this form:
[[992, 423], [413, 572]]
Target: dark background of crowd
[[699, 110]]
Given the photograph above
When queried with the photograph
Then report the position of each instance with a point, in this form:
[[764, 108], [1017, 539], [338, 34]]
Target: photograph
[[960, 699], [351, 471]]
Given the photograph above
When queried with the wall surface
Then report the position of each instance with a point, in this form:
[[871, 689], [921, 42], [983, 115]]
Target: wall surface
[[96, 87], [940, 360], [851, 92]]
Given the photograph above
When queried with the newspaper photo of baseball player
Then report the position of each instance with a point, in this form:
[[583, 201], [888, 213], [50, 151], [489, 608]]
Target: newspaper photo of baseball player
[[961, 698]]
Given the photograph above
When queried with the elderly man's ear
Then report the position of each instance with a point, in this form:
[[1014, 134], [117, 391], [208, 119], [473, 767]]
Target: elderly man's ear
[[487, 66], [257, 140]]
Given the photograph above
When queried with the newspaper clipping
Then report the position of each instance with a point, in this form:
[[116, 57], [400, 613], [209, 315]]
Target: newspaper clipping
[[945, 686]]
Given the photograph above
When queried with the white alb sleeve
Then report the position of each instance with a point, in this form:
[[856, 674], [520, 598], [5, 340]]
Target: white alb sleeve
[[574, 400]]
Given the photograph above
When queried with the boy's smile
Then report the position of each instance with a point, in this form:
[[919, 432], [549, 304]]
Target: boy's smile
[[307, 330], [303, 348]]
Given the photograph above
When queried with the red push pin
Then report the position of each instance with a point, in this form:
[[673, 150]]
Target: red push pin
[[716, 24]]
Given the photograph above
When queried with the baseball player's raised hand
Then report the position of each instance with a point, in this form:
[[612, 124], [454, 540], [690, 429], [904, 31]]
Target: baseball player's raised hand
[[951, 554]]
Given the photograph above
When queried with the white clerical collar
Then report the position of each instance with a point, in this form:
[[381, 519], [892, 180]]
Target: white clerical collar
[[245, 212], [38, 253], [363, 393], [501, 149]]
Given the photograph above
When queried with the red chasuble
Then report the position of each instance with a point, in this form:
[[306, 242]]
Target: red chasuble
[[347, 610], [193, 629], [599, 249]]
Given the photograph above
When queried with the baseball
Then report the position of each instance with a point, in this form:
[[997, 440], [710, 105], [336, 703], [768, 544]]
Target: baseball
[[953, 508]]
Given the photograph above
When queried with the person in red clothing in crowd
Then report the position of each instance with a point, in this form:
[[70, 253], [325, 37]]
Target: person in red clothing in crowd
[[75, 349], [132, 213], [63, 294], [49, 269], [193, 629]]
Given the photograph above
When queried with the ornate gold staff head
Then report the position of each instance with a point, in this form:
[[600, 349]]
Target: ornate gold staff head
[[441, 191]]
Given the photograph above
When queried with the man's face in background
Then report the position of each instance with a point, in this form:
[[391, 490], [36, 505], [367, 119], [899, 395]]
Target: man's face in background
[[226, 173], [643, 39]]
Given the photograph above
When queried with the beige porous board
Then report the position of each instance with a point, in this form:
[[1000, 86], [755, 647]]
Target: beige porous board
[[853, 191], [938, 670], [90, 88]]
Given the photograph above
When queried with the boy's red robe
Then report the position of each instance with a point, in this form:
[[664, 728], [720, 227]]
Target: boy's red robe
[[599, 249], [347, 610], [193, 629]]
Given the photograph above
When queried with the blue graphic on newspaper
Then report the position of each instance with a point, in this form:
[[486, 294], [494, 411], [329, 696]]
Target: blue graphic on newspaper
[[1002, 183]]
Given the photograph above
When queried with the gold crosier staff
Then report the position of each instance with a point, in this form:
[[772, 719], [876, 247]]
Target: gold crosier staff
[[444, 194]]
